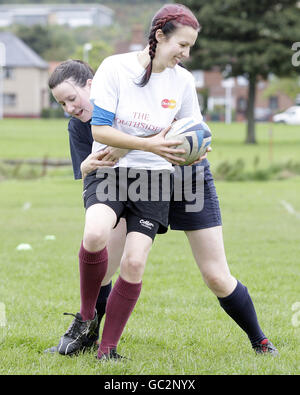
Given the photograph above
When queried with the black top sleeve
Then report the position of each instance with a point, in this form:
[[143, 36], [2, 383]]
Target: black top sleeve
[[80, 140]]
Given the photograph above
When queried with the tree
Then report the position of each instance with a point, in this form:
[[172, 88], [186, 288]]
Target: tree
[[37, 37], [50, 42], [98, 52], [249, 38]]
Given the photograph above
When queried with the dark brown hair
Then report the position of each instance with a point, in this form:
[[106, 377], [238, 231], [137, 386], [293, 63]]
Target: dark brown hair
[[77, 70], [167, 19]]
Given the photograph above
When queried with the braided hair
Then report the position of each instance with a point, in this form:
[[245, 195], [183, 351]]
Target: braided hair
[[167, 19]]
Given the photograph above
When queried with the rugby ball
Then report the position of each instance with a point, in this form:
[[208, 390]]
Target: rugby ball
[[195, 137]]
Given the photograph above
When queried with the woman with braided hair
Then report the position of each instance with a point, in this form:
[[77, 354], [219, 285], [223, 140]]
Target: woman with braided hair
[[137, 95], [174, 30]]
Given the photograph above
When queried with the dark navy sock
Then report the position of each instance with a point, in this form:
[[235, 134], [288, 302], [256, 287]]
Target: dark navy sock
[[240, 308], [101, 301]]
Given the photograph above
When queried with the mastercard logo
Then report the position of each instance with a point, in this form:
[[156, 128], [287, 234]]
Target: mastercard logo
[[166, 103]]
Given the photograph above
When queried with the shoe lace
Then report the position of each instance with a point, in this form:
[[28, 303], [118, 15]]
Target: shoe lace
[[75, 328]]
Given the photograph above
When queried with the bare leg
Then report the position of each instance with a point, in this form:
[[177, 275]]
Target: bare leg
[[208, 250]]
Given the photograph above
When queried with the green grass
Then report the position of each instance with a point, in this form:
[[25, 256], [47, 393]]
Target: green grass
[[177, 326], [276, 143], [34, 138], [46, 137]]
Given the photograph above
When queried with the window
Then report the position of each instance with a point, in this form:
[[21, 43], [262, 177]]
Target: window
[[273, 102], [8, 73], [9, 99], [241, 104], [242, 81]]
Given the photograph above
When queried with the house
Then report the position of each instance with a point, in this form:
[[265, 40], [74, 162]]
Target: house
[[73, 15], [25, 79], [137, 41], [215, 93]]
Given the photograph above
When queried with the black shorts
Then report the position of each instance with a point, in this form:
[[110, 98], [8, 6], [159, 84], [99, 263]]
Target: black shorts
[[202, 209], [131, 193]]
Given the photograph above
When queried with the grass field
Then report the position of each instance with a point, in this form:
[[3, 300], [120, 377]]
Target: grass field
[[177, 326], [39, 138]]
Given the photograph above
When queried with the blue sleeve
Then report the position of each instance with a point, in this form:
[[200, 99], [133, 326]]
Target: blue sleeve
[[102, 117]]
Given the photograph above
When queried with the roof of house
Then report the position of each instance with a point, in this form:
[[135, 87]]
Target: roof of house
[[19, 54], [54, 7]]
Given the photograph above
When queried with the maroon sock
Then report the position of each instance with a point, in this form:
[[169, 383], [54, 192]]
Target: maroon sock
[[120, 304], [92, 269]]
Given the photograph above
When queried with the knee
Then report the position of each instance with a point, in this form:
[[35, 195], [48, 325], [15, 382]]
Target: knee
[[218, 283], [133, 268], [94, 239]]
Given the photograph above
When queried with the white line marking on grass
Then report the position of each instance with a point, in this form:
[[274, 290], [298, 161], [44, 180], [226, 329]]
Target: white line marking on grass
[[2, 315], [290, 209], [296, 316]]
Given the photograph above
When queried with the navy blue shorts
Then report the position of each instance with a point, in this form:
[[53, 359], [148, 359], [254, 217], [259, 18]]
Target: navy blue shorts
[[201, 212]]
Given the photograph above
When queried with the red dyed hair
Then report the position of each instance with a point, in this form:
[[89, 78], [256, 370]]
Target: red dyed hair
[[178, 13], [168, 18]]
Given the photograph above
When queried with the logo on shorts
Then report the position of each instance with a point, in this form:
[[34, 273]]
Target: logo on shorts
[[147, 224], [166, 103]]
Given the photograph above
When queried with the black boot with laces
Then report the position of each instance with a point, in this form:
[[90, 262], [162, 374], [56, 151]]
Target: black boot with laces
[[265, 347], [77, 336], [112, 355]]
